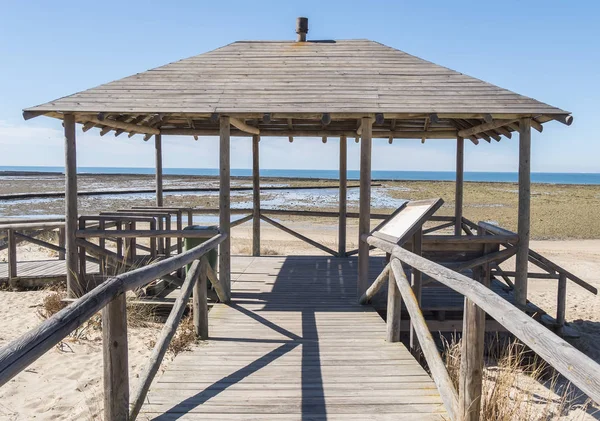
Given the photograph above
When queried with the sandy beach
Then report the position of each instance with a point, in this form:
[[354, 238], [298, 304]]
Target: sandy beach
[[66, 383]]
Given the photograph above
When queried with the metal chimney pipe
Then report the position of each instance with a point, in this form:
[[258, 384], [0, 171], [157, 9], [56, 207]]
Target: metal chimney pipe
[[301, 29]]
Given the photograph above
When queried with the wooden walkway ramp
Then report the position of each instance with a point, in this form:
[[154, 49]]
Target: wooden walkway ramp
[[295, 345]]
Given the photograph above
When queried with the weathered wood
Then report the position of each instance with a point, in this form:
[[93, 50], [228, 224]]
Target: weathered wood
[[394, 306], [159, 169], [427, 344], [134, 233], [115, 357], [581, 370], [255, 196], [216, 283], [114, 124], [240, 124], [471, 362], [460, 176], [12, 254], [381, 279], [439, 227], [417, 286], [166, 335], [200, 305], [73, 286], [561, 300], [18, 354], [241, 220], [37, 242], [524, 217], [364, 220], [61, 243], [343, 196], [32, 226], [224, 205], [117, 260], [484, 127], [498, 257], [298, 235]]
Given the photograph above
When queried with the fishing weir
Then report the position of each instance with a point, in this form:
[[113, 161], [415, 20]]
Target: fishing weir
[[299, 337]]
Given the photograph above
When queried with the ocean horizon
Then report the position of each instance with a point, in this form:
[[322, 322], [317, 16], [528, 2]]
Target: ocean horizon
[[510, 177]]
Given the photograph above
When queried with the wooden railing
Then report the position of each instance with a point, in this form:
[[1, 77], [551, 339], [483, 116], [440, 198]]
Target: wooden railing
[[110, 298], [464, 404], [550, 270], [18, 231]]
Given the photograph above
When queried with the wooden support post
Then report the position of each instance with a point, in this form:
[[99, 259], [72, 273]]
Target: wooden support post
[[364, 219], [12, 254], [190, 217], [82, 275], [119, 227], [524, 217], [132, 243], [255, 196], [114, 350], [200, 302], [471, 364], [460, 172], [417, 285], [73, 287], [61, 243], [343, 196], [394, 305], [224, 206], [159, 170], [102, 244], [561, 301]]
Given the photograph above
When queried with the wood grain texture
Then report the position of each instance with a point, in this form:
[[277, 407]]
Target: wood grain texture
[[364, 218], [295, 349], [310, 77], [580, 369], [225, 205], [159, 169], [524, 216], [460, 173], [255, 195], [343, 196], [72, 258]]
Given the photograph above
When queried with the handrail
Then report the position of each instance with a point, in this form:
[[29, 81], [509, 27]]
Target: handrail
[[18, 354], [438, 371], [539, 260], [581, 370]]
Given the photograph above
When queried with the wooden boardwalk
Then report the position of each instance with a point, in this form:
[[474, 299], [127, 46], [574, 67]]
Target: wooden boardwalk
[[41, 269], [295, 345]]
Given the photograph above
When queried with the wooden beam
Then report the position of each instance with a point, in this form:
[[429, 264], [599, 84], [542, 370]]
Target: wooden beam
[[191, 283], [458, 196], [343, 196], [128, 127], [379, 134], [298, 235], [159, 169], [74, 287], [381, 279], [566, 119], [394, 306], [484, 127], [115, 356], [255, 196], [28, 115], [524, 216], [471, 362], [12, 254], [225, 204], [439, 373], [241, 125], [364, 220]]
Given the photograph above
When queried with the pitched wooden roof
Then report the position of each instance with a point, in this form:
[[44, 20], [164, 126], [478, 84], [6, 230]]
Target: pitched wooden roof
[[354, 76]]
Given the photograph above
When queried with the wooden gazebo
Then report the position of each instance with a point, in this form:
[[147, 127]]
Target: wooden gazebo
[[352, 88]]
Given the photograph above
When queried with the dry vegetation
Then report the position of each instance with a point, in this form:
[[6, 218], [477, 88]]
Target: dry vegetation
[[557, 211], [517, 385]]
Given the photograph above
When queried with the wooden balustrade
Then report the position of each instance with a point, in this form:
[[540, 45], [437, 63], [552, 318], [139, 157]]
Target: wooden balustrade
[[110, 298], [581, 370]]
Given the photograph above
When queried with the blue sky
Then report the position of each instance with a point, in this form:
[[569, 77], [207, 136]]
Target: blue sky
[[543, 49]]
